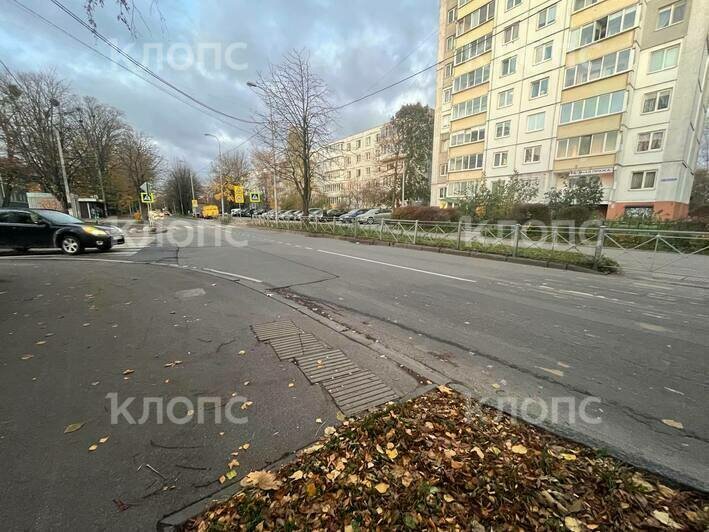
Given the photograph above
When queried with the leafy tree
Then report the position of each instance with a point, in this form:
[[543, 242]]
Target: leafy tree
[[582, 192], [497, 201], [234, 169], [138, 162]]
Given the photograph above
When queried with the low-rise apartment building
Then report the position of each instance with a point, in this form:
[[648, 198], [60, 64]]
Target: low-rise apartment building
[[557, 90]]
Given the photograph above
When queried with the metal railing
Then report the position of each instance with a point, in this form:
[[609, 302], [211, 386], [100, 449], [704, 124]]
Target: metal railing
[[681, 254]]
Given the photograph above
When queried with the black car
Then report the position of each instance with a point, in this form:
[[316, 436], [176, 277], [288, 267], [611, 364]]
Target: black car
[[22, 229]]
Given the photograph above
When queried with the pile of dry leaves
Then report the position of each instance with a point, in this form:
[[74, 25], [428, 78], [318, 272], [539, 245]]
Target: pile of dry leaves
[[440, 462]]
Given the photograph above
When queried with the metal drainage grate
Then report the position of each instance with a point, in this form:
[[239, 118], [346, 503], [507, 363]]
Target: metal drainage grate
[[298, 345], [326, 366], [276, 329], [359, 391]]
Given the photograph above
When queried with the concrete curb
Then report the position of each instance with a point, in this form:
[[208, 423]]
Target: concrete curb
[[446, 251]]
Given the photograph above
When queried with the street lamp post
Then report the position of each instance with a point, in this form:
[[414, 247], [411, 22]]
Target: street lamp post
[[221, 174], [273, 154], [70, 203]]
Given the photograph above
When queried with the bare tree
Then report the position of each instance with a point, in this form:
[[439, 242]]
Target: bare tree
[[138, 161], [298, 118], [176, 188], [234, 169]]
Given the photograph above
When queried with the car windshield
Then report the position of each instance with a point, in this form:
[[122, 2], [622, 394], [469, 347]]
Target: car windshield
[[57, 217]]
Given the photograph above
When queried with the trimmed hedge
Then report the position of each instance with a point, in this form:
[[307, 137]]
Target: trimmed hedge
[[428, 214]]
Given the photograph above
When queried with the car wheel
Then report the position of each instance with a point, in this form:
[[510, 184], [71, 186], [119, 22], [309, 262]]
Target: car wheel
[[71, 245], [106, 246]]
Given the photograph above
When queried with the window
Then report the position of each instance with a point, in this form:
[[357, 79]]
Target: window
[[502, 129], [586, 145], [504, 98], [532, 154], [543, 52], [470, 107], [672, 14], [367, 156], [473, 49], [472, 79], [643, 180], [447, 95], [601, 67], [650, 141], [512, 3], [539, 87], [657, 101], [595, 106], [465, 162], [476, 18], [535, 122], [511, 33], [442, 192], [359, 144], [359, 158], [349, 146], [581, 4], [603, 27], [451, 16], [509, 65], [664, 59], [449, 69], [474, 134], [368, 141], [499, 159], [546, 17], [369, 170], [446, 121], [450, 43]]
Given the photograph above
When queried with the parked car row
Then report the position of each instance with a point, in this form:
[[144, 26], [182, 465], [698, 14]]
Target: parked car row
[[368, 216]]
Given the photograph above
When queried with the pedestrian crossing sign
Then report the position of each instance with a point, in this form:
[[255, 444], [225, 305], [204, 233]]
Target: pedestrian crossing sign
[[147, 197], [254, 197]]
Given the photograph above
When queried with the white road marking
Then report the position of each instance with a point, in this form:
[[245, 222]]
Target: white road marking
[[233, 275], [193, 292], [398, 266]]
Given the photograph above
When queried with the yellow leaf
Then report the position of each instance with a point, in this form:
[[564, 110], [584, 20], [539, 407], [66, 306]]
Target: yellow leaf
[[26, 357], [104, 439], [382, 487], [313, 448], [479, 452], [332, 475], [348, 528], [245, 446], [665, 519], [264, 480], [672, 423], [290, 385], [242, 352], [392, 453], [318, 420], [297, 475], [445, 389], [447, 498], [329, 431], [73, 427], [222, 479], [93, 447], [568, 456], [519, 449], [234, 463], [340, 416], [310, 489], [230, 474], [128, 371], [572, 524]]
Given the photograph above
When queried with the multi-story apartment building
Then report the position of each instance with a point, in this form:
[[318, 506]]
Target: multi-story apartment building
[[357, 164], [557, 90]]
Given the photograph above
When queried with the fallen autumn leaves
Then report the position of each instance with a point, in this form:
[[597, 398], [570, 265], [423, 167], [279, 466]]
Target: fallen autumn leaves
[[436, 462]]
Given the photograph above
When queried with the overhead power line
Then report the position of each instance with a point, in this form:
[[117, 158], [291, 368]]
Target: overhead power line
[[147, 70]]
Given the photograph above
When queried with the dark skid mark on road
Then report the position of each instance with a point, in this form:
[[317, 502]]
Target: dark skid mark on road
[[308, 266], [650, 422]]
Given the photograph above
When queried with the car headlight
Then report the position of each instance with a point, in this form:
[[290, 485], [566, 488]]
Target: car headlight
[[117, 231], [95, 231]]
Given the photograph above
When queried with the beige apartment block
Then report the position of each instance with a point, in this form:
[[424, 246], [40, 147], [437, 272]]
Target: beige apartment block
[[555, 91], [353, 162]]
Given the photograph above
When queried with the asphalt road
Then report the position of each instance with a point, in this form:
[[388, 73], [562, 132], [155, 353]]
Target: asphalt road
[[508, 331]]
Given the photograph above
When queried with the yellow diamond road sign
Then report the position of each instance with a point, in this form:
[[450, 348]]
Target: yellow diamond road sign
[[147, 197], [255, 197]]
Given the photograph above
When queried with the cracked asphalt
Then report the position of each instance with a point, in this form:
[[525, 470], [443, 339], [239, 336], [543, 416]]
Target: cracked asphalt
[[631, 353]]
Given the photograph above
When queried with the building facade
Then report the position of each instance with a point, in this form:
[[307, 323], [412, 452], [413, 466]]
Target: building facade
[[359, 170], [558, 90]]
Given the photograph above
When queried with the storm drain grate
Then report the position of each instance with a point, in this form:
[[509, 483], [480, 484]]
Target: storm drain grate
[[298, 345], [359, 391], [326, 366], [276, 329]]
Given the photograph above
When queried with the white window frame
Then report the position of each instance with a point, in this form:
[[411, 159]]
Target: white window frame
[[534, 121], [586, 67], [539, 83], [476, 18], [576, 34], [672, 8], [588, 102], [500, 159], [542, 51], [511, 4], [505, 93], [643, 180], [465, 161], [656, 95], [506, 126], [651, 138], [586, 3], [449, 70], [606, 139], [535, 151], [447, 95], [664, 52], [477, 105], [545, 22], [451, 16], [450, 43], [471, 79], [509, 61], [469, 136], [510, 33], [473, 49]]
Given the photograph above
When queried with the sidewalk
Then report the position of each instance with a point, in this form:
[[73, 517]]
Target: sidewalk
[[75, 332]]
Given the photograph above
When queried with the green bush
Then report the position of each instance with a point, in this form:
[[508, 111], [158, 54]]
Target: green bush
[[428, 214], [524, 212], [578, 213]]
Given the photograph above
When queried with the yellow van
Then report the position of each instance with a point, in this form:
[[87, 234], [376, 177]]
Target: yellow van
[[210, 211]]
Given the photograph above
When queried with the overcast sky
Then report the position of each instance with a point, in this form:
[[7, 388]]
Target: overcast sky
[[356, 46]]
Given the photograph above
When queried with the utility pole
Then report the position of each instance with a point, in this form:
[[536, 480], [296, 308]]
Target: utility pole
[[254, 85], [221, 174], [70, 203]]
